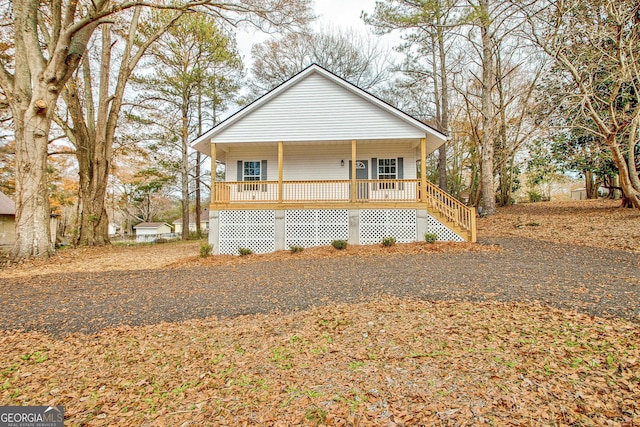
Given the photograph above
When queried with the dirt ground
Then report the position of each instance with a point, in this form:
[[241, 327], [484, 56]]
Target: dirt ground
[[595, 223]]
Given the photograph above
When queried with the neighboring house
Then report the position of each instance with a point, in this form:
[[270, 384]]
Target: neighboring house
[[151, 231], [318, 159], [7, 221], [204, 222]]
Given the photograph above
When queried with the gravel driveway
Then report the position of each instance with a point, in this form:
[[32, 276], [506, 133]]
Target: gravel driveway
[[596, 281]]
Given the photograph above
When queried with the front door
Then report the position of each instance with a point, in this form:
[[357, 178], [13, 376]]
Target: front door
[[362, 172]]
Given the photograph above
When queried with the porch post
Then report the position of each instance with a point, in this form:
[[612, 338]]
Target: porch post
[[280, 161], [214, 162], [423, 169], [353, 172]]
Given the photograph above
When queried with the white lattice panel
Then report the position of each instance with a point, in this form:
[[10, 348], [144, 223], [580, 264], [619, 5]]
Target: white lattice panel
[[314, 227], [443, 232], [247, 229], [376, 224]]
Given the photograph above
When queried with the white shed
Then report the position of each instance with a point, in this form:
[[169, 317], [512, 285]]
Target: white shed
[[151, 231]]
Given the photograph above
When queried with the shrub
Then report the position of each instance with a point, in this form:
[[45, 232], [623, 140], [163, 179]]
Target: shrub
[[339, 244], [161, 240], [534, 196], [430, 237], [205, 249], [295, 249], [388, 241], [244, 251]]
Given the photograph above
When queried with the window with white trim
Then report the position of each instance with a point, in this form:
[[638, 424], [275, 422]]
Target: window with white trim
[[251, 172], [387, 169]]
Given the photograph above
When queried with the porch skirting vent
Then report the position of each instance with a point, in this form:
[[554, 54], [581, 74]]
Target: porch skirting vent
[[315, 227], [254, 230], [376, 224]]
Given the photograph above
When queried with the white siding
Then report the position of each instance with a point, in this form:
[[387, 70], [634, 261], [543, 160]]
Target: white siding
[[163, 229], [318, 162], [316, 108], [7, 230]]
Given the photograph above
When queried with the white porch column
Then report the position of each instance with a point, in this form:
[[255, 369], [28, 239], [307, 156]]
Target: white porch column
[[280, 162], [354, 192], [214, 165]]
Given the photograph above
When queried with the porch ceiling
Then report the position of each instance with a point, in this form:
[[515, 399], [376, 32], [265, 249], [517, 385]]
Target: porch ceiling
[[432, 144]]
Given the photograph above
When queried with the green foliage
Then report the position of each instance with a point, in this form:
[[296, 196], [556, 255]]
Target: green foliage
[[339, 244], [389, 241], [205, 249], [534, 196], [295, 249], [430, 237], [244, 251]]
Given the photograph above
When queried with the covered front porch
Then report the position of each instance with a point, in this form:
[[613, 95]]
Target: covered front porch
[[255, 188]]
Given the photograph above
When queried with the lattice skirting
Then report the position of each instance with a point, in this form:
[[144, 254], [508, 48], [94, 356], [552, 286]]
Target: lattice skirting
[[263, 231], [315, 227], [443, 232], [254, 230], [376, 224]]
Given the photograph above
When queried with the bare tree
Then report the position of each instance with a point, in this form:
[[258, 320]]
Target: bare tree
[[93, 121], [354, 57]]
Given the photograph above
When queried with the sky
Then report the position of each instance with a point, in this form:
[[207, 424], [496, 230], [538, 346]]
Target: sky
[[342, 14]]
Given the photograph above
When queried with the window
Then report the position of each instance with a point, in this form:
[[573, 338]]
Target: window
[[387, 169], [251, 172]]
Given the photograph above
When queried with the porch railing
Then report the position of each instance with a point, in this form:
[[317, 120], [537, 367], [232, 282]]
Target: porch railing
[[336, 191]]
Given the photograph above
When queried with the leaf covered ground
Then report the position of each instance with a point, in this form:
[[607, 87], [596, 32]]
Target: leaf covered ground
[[390, 361]]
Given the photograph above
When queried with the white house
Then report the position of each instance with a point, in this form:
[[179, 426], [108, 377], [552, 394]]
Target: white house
[[204, 222], [151, 231], [318, 159]]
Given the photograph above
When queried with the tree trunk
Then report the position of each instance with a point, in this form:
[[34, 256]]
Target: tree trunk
[[444, 108], [93, 148], [589, 186], [185, 174], [33, 237], [631, 193], [32, 94], [486, 140], [197, 170], [93, 221]]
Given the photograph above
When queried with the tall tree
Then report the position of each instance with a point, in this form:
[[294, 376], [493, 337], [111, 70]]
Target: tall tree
[[185, 61], [51, 38], [429, 30], [596, 44], [92, 127]]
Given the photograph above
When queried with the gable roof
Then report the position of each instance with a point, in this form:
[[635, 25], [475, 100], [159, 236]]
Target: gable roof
[[151, 225], [316, 113], [7, 206]]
